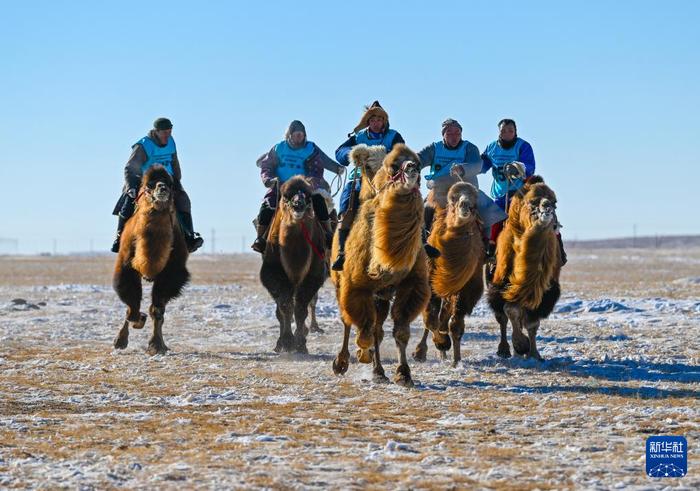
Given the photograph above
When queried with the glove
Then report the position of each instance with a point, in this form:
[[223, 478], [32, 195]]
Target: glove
[[341, 170], [457, 171], [131, 193], [514, 170], [268, 183]]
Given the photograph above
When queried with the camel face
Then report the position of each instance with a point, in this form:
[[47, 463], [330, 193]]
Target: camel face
[[461, 202], [541, 205], [297, 205], [160, 196], [405, 175]]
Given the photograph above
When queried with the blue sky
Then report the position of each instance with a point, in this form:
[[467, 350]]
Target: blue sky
[[606, 93]]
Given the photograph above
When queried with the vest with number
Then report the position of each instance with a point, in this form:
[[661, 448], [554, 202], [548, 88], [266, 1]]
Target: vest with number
[[292, 161], [158, 155], [499, 158], [365, 137], [444, 158]]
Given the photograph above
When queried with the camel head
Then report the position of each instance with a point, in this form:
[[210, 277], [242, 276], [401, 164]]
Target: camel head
[[461, 203], [296, 198], [400, 170], [157, 188], [368, 158], [536, 204]]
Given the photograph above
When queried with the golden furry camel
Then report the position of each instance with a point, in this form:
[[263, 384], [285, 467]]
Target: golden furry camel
[[153, 248], [525, 285], [294, 266], [384, 260], [456, 276]]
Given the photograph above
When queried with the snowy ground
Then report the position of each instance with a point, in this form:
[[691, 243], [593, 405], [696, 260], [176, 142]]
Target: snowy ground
[[223, 410]]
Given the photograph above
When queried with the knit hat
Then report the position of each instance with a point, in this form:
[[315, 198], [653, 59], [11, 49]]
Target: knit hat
[[162, 124], [449, 122], [374, 110]]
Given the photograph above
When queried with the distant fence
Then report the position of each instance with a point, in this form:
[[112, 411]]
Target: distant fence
[[647, 242]]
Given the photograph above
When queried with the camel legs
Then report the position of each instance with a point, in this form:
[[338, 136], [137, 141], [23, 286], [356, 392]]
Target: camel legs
[[532, 325], [430, 321], [521, 343], [342, 360], [313, 323], [167, 285], [411, 298], [360, 310], [503, 346], [305, 292], [464, 305], [382, 306], [276, 282], [127, 284]]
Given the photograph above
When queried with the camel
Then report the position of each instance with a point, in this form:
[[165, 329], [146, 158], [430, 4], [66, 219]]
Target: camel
[[385, 260], [153, 248], [294, 266], [525, 285], [456, 276]]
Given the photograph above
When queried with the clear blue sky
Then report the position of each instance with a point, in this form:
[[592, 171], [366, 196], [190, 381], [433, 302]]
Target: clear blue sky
[[606, 93]]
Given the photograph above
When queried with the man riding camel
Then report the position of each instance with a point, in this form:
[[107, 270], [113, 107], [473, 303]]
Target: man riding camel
[[157, 147], [373, 129], [451, 160], [512, 162], [293, 156]]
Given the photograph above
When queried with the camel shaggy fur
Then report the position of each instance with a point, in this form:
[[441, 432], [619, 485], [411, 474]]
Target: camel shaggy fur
[[153, 248], [385, 261], [294, 266], [456, 276], [525, 285]]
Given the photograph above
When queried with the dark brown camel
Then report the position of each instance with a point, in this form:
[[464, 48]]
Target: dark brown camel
[[294, 265], [153, 248]]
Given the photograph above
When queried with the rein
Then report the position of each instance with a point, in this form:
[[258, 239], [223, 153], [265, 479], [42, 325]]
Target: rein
[[307, 237]]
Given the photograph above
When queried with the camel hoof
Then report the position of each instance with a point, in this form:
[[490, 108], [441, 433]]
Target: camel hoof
[[141, 322], [340, 366], [420, 354], [157, 349], [301, 349], [403, 376], [380, 378], [316, 329], [284, 344], [455, 363], [521, 345], [535, 355], [121, 342], [503, 350], [365, 355]]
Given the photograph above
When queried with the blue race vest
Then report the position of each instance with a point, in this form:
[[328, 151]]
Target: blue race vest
[[291, 161], [157, 154], [363, 136], [445, 157], [499, 157]]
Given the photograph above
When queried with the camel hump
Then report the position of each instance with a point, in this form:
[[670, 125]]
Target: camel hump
[[364, 155]]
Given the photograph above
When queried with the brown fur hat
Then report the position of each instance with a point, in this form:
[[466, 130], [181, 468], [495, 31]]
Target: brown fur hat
[[375, 109]]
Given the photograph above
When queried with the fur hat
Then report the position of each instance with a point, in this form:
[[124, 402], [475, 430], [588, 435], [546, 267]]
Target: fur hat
[[374, 110], [448, 123]]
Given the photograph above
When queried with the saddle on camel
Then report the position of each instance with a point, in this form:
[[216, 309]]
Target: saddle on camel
[[456, 276], [152, 247], [525, 286], [294, 263], [386, 261]]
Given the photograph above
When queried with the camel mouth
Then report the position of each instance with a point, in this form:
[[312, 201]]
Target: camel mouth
[[465, 210], [298, 215], [544, 213]]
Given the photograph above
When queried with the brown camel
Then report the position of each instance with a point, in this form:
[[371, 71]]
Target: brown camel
[[525, 285], [384, 260], [153, 248], [456, 276], [294, 266]]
